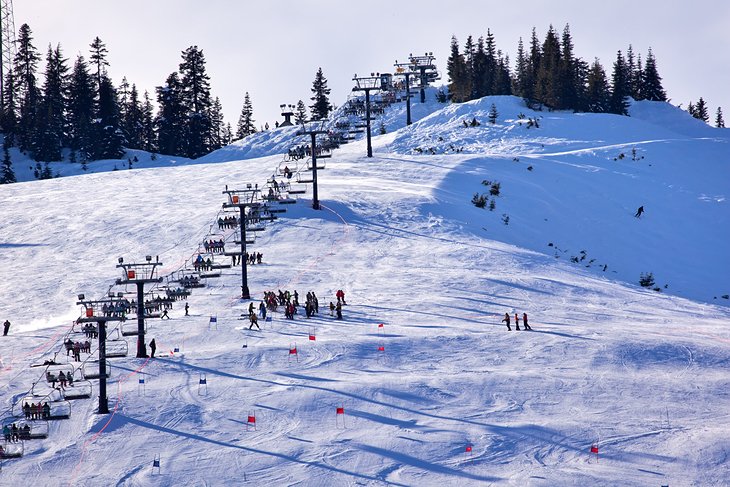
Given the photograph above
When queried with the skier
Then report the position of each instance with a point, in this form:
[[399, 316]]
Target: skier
[[524, 321], [254, 321], [332, 308], [262, 310], [187, 307], [153, 347], [165, 315], [506, 320], [338, 309], [517, 322], [639, 212], [6, 328]]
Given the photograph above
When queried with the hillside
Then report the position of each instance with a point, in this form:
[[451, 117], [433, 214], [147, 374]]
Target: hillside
[[641, 374]]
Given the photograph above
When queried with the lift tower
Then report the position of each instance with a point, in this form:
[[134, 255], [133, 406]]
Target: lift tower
[[139, 275], [252, 210], [313, 132], [92, 314], [7, 43], [368, 84]]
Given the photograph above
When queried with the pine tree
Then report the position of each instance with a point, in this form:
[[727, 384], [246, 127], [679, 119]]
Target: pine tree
[[170, 117], [216, 125], [493, 114], [631, 71], [9, 111], [98, 58], [651, 81], [24, 66], [227, 134], [50, 135], [108, 142], [547, 88], [503, 81], [7, 175], [637, 90], [521, 76], [246, 123], [488, 77], [701, 111], [321, 107], [598, 94], [691, 110], [474, 60], [81, 110], [569, 73], [149, 141], [535, 59], [459, 83], [195, 97], [620, 89], [719, 122], [300, 115], [131, 116]]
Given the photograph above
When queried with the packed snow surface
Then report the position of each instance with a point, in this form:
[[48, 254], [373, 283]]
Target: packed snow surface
[[441, 393]]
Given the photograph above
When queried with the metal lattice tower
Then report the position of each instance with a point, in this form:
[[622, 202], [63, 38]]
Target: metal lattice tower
[[7, 43]]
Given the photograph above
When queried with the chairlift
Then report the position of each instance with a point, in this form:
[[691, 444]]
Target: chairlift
[[81, 389], [90, 369], [320, 165], [36, 428], [304, 178], [130, 328], [59, 409], [117, 348], [12, 449]]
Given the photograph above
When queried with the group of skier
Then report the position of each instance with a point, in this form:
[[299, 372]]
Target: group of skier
[[525, 324], [201, 263], [37, 411], [76, 348], [215, 246], [62, 379], [13, 434], [226, 222], [251, 258]]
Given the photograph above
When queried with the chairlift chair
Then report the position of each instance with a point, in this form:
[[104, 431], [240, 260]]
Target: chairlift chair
[[90, 369], [12, 449], [320, 165], [81, 389], [304, 178], [117, 348], [37, 428]]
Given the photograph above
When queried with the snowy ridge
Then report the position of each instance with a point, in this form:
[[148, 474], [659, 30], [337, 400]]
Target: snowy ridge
[[640, 374]]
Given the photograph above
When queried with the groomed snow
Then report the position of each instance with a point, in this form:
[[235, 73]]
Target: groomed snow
[[641, 374]]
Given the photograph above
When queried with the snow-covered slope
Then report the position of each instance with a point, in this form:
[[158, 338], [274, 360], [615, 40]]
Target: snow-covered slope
[[641, 374]]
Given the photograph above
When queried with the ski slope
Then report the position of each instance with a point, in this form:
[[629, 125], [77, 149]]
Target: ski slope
[[640, 374]]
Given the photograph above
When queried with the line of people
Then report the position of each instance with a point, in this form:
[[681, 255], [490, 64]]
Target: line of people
[[525, 324]]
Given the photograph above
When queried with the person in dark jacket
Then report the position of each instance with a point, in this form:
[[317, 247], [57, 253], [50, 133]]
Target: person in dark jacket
[[506, 320], [6, 328], [153, 347], [524, 322]]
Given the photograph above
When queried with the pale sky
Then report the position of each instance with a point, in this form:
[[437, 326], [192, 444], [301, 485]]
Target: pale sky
[[272, 48]]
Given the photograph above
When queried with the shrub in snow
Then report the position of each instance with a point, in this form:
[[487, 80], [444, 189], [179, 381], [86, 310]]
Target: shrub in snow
[[646, 279], [479, 200]]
